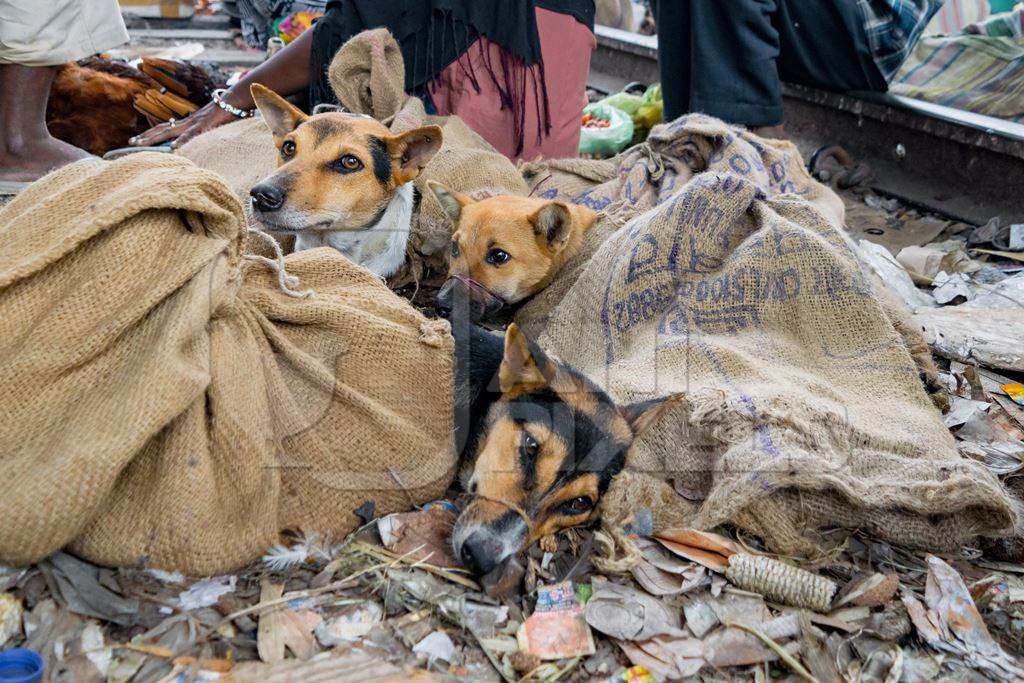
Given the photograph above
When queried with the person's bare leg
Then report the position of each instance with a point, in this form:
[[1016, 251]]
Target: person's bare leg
[[27, 150]]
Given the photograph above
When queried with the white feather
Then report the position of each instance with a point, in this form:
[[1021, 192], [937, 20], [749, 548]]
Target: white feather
[[281, 557]]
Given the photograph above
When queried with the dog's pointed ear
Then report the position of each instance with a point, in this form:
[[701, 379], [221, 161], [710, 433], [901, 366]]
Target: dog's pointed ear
[[643, 414], [281, 116], [451, 201], [524, 366], [553, 223], [412, 150]]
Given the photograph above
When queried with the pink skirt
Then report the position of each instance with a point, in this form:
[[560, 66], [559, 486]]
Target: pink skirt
[[566, 46]]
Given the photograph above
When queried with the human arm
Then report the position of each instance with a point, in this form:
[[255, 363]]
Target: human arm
[[286, 73]]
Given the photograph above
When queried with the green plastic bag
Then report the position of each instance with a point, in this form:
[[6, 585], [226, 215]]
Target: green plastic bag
[[606, 141], [625, 101]]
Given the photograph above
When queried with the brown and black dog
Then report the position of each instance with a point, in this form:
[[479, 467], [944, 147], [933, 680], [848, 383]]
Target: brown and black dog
[[548, 448], [343, 180], [551, 443], [505, 249]]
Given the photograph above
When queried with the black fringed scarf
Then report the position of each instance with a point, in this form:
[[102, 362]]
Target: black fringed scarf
[[433, 34]]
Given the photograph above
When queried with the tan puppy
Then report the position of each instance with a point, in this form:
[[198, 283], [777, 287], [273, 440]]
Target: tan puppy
[[343, 180], [506, 248]]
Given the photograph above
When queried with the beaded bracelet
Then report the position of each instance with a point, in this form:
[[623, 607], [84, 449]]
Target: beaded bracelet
[[218, 99]]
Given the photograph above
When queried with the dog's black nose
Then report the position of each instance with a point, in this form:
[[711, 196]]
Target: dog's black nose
[[480, 552], [267, 197]]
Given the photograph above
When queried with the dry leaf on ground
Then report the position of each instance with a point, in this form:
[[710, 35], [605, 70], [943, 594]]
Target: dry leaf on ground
[[700, 618], [659, 573], [669, 659], [281, 627], [10, 617], [626, 613], [421, 535], [711, 550], [951, 623], [79, 587], [873, 590]]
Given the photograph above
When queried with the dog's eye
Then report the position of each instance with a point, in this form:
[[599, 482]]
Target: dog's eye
[[577, 506], [455, 249], [348, 163], [497, 257], [529, 446], [287, 148]]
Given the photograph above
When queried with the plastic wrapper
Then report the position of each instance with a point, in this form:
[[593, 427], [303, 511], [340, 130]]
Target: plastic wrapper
[[627, 102], [651, 110], [606, 141]]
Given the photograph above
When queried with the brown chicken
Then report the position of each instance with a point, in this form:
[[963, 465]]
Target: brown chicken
[[98, 104], [91, 104], [189, 81]]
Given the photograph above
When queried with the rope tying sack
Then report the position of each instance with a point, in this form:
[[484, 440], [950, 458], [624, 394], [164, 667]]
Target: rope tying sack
[[288, 283]]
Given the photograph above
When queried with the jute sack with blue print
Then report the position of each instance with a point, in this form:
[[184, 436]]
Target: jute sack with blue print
[[648, 174], [803, 408]]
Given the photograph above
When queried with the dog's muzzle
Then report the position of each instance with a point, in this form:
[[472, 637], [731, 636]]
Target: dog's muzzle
[[266, 198], [491, 550], [461, 297]]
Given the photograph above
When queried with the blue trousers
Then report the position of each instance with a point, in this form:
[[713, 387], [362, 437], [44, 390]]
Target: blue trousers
[[728, 58]]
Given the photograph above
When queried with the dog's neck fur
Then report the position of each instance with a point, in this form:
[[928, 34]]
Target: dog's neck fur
[[379, 248]]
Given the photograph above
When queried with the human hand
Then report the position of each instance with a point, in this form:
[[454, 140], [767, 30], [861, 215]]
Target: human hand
[[206, 118]]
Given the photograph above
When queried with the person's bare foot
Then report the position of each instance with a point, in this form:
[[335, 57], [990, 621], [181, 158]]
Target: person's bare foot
[[31, 160], [771, 132], [27, 150]]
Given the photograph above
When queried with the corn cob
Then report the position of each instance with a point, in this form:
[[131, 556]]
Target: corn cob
[[780, 582]]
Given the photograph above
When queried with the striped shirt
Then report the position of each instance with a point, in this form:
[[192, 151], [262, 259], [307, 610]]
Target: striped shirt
[[893, 28]]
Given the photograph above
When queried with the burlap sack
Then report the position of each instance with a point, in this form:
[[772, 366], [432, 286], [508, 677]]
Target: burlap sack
[[650, 173], [241, 152], [615, 13], [368, 74], [167, 405], [565, 179], [803, 407]]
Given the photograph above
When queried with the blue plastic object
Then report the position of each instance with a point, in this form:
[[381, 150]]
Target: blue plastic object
[[20, 666]]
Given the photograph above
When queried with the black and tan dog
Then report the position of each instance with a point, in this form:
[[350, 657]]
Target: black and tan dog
[[505, 249], [343, 181], [549, 447]]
